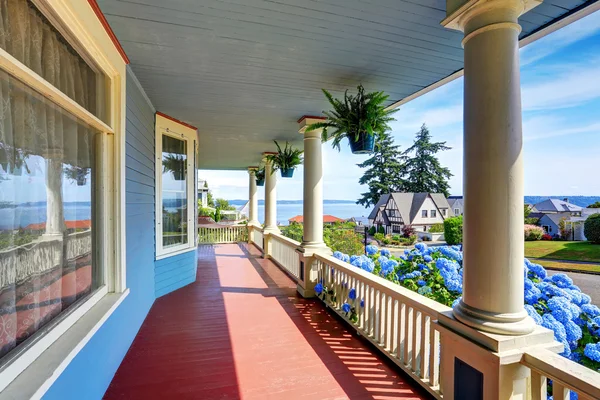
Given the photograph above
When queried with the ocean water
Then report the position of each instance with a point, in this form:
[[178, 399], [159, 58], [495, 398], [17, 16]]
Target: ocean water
[[33, 213]]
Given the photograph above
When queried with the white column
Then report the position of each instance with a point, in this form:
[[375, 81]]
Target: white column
[[493, 167], [312, 203], [270, 200], [252, 198], [55, 220]]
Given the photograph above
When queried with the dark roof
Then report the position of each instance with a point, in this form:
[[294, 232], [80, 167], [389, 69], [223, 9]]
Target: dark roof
[[556, 217], [382, 202], [408, 204], [555, 205]]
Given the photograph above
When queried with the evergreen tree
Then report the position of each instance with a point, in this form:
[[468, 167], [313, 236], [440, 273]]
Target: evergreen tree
[[424, 172], [385, 170]]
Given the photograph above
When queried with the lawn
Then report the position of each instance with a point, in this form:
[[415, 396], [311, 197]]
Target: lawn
[[567, 266], [559, 250]]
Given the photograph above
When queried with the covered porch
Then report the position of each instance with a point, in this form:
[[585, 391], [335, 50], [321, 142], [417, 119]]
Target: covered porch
[[242, 331]]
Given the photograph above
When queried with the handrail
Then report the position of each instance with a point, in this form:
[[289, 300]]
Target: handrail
[[283, 252], [215, 234], [400, 322], [380, 283], [565, 374]]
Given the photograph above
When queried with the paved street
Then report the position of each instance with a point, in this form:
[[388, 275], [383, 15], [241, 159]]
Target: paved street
[[589, 284]]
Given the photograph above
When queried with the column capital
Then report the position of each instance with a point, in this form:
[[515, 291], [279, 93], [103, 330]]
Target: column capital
[[307, 120], [252, 170], [460, 12]]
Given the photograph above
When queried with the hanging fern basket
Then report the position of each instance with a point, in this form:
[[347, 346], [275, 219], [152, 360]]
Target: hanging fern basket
[[363, 145], [179, 175], [260, 182], [287, 173]]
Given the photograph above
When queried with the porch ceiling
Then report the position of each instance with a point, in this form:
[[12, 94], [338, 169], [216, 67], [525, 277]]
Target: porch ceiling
[[243, 71]]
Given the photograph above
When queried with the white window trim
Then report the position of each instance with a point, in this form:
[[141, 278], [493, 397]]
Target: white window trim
[[82, 29], [456, 211], [170, 128]]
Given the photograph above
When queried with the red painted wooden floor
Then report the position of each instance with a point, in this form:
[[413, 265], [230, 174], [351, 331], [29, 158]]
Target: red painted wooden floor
[[241, 332]]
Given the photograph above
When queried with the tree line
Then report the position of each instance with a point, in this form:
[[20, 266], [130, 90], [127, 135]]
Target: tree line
[[415, 169]]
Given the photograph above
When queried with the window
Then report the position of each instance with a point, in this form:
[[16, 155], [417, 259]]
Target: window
[[424, 213], [54, 181], [175, 187], [433, 213], [457, 211], [444, 212], [396, 229]]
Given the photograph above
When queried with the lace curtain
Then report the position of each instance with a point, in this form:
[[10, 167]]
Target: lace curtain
[[46, 186]]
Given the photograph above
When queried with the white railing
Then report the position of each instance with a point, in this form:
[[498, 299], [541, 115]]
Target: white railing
[[283, 252], [222, 234], [396, 320], [566, 375], [257, 237]]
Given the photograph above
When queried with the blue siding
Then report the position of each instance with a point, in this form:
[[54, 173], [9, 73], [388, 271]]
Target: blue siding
[[90, 373], [174, 272]]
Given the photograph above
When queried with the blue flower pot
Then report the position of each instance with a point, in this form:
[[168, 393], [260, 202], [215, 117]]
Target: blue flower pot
[[287, 173], [364, 144], [260, 182]]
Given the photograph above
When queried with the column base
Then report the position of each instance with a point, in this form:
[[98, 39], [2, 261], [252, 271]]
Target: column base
[[502, 324], [271, 229], [310, 248]]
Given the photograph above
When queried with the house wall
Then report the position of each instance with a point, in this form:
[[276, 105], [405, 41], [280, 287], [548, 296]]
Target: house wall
[[174, 272], [428, 205], [546, 221], [90, 372]]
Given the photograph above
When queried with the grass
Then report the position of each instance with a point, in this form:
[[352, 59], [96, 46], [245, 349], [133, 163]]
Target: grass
[[559, 250], [567, 266]]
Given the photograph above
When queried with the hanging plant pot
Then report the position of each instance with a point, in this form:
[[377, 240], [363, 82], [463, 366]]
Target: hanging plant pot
[[179, 175], [260, 182], [81, 177], [364, 144], [287, 173]]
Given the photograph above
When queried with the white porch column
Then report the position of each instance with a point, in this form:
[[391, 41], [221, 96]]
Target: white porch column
[[493, 166], [270, 199], [252, 197], [312, 240], [55, 220]]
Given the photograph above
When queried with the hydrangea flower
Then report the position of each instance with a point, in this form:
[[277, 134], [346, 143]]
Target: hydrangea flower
[[362, 303], [421, 282], [533, 314], [451, 253], [318, 288], [352, 294], [385, 252], [592, 351], [371, 249], [428, 258], [346, 308], [422, 247], [536, 269], [339, 255], [410, 275], [562, 281], [591, 310], [364, 262]]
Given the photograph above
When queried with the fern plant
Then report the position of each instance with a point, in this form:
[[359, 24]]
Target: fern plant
[[285, 160], [175, 163], [361, 118], [260, 176]]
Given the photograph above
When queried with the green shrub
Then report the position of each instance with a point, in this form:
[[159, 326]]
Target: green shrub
[[396, 237], [381, 229], [531, 221], [379, 236], [409, 241], [386, 240], [372, 230], [453, 230], [533, 232], [437, 228], [294, 231], [591, 228], [346, 241]]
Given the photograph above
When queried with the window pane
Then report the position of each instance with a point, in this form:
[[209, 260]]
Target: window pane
[[47, 223], [174, 191], [30, 38]]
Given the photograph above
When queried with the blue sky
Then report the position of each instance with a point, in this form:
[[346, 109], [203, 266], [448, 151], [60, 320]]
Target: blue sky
[[560, 81]]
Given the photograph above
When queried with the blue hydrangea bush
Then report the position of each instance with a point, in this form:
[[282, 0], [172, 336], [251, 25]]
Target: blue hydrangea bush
[[436, 272]]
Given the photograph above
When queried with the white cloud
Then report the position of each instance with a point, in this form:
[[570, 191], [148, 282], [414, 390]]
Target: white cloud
[[560, 39]]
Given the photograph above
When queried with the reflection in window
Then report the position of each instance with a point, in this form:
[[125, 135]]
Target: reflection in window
[[47, 187], [174, 191]]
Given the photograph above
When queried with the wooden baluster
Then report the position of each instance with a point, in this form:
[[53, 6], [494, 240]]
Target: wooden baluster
[[394, 327], [372, 312], [424, 364], [560, 392], [376, 316], [416, 342], [539, 386], [401, 332], [408, 331], [434, 356]]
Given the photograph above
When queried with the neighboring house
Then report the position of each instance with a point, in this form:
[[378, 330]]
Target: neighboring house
[[558, 206], [456, 204], [203, 192], [380, 204], [421, 210], [549, 222], [327, 219]]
